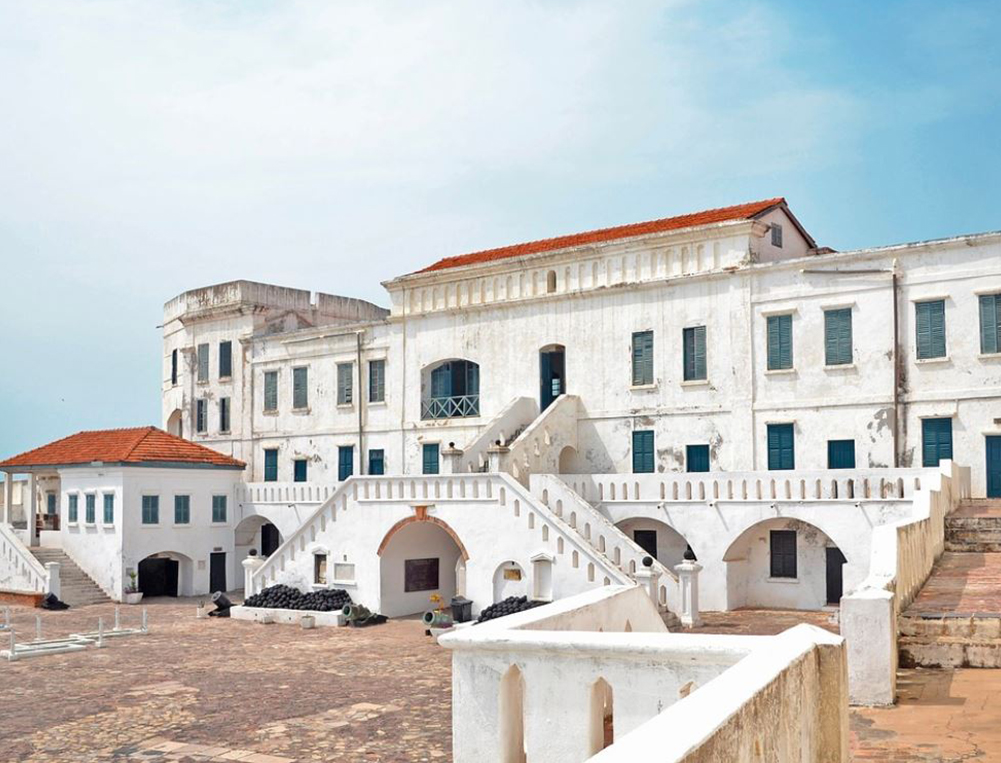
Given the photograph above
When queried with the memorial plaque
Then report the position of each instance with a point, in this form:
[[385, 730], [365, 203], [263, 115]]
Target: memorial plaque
[[420, 575]]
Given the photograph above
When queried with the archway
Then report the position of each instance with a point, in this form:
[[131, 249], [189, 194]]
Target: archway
[[417, 558], [568, 463], [166, 573], [511, 711], [509, 580], [782, 563], [254, 532], [601, 728], [658, 539], [175, 425], [450, 389]]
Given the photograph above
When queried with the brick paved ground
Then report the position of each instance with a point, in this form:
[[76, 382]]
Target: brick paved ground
[[197, 690], [763, 622], [961, 584]]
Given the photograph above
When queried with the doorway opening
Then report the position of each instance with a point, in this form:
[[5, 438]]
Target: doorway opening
[[552, 374]]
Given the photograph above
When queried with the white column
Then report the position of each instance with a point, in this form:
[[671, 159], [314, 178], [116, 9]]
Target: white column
[[52, 573], [451, 459], [8, 497], [32, 510], [649, 578], [250, 565], [495, 457], [869, 627], [688, 582]]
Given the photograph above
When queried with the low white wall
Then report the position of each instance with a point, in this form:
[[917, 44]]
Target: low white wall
[[19, 569]]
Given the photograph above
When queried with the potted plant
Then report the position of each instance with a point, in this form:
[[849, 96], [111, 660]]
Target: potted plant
[[132, 594]]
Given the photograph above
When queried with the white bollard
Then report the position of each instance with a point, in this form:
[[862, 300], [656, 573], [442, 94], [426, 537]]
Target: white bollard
[[688, 583], [145, 621], [100, 632], [11, 655], [118, 618], [38, 627]]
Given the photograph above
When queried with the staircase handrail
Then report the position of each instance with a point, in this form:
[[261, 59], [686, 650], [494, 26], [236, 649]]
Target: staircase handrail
[[11, 548]]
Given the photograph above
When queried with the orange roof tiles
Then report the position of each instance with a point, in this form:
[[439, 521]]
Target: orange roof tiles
[[723, 214], [137, 445]]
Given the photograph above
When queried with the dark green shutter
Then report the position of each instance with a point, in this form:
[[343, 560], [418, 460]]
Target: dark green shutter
[[697, 458], [345, 384], [779, 342], [782, 547], [930, 329], [376, 462], [936, 441], [781, 447], [377, 381], [300, 387], [271, 390], [990, 323], [299, 469], [203, 362], [642, 358], [430, 454], [838, 337], [225, 360], [694, 351], [840, 454], [270, 465], [643, 456]]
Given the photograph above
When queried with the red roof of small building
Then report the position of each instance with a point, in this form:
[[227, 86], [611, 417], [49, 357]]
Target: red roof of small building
[[137, 445], [707, 217]]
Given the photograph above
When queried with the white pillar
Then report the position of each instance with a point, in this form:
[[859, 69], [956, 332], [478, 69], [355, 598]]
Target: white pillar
[[649, 578], [495, 457], [52, 574], [250, 565], [688, 583], [451, 459], [8, 497], [32, 510], [869, 627]]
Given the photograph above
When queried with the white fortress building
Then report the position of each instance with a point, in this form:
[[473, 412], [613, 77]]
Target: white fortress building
[[537, 419]]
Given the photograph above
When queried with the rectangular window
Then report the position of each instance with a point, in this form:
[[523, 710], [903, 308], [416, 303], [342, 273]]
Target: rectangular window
[[642, 358], [420, 575], [345, 461], [779, 342], [203, 362], [841, 454], [320, 569], [643, 460], [936, 441], [223, 414], [270, 390], [695, 353], [182, 509], [73, 508], [776, 235], [697, 458], [90, 515], [345, 383], [200, 415], [838, 337], [50, 504], [151, 510], [930, 324], [376, 381], [376, 462], [219, 508], [225, 360], [430, 454], [109, 508], [990, 323], [173, 367], [783, 553], [300, 388], [781, 447], [299, 469], [270, 464]]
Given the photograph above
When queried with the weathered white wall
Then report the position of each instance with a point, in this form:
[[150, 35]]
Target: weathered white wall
[[417, 541]]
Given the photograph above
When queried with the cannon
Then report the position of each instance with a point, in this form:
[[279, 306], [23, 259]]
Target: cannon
[[354, 612], [222, 604], [437, 619]]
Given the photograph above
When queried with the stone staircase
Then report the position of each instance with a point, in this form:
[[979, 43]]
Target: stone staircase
[[76, 588], [955, 620]]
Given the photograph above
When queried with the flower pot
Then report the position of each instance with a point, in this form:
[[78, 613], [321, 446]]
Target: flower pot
[[307, 622], [132, 598], [202, 613]]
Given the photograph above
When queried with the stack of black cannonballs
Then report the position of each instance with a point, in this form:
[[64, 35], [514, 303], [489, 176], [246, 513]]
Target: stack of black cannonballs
[[286, 597], [508, 606]]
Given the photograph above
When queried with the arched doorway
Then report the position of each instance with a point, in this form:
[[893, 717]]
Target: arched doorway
[[658, 539], [417, 558], [568, 463], [785, 564], [253, 532], [450, 389], [552, 374], [509, 580], [166, 573], [175, 426]]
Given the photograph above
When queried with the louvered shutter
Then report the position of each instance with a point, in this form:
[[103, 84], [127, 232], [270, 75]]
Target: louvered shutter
[[643, 459], [838, 337], [930, 324], [203, 362], [271, 390], [300, 387], [990, 323], [642, 358], [344, 384], [779, 342]]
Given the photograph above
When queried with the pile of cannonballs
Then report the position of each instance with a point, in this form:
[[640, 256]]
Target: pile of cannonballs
[[508, 606], [286, 597]]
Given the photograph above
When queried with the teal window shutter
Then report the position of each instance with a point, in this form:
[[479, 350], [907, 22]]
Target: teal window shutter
[[299, 469], [270, 465], [173, 367], [781, 447], [271, 390], [441, 381], [300, 388], [109, 508], [840, 454], [643, 455], [376, 381], [642, 358], [990, 323], [930, 328], [838, 337], [224, 414], [430, 458], [151, 510], [779, 342], [697, 458], [73, 508], [694, 351], [200, 415], [345, 383], [203, 362], [91, 508], [225, 360], [219, 508], [936, 441], [376, 461], [182, 509], [345, 461]]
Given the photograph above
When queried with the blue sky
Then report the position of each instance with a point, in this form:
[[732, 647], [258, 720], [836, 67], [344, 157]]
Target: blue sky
[[151, 147]]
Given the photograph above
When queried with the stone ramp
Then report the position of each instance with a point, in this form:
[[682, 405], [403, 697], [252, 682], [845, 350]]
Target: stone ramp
[[76, 588]]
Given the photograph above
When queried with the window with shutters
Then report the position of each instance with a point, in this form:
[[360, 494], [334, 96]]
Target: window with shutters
[[376, 381], [203, 362], [90, 515], [173, 367], [151, 510], [319, 568], [219, 508], [73, 508], [841, 454], [779, 342], [270, 391], [776, 235], [782, 545], [930, 326], [201, 423], [781, 447], [451, 389], [223, 414], [109, 509], [345, 461], [643, 457], [838, 337], [430, 458], [182, 509], [345, 383], [376, 461], [642, 358], [694, 351], [697, 458], [225, 360], [300, 388], [936, 441], [299, 470], [270, 464], [990, 324]]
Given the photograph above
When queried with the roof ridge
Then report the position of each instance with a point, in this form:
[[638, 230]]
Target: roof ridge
[[143, 433]]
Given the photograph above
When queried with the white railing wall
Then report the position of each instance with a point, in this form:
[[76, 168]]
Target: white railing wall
[[537, 450], [285, 492], [515, 417], [19, 569]]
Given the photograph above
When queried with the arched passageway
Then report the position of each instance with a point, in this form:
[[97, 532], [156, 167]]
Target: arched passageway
[[254, 532], [658, 539], [417, 559], [166, 573], [174, 423]]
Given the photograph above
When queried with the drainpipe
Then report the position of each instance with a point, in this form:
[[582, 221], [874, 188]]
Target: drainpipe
[[896, 369], [361, 398]]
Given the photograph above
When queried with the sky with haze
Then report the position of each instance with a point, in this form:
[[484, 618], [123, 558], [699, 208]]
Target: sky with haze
[[148, 147]]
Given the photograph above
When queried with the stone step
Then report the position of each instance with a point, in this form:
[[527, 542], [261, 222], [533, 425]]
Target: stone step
[[76, 588], [949, 652]]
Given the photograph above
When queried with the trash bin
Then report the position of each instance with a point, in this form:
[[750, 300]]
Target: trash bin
[[462, 609]]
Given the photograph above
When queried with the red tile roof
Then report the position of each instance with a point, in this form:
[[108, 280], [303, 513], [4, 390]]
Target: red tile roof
[[724, 214], [138, 445]]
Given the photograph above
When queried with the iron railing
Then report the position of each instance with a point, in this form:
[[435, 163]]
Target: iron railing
[[450, 407]]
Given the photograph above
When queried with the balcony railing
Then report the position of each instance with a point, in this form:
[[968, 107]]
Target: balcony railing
[[450, 407]]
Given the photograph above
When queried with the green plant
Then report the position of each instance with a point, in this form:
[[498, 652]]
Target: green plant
[[133, 584]]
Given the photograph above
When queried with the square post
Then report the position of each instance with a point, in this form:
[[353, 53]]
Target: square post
[[32, 510], [8, 497]]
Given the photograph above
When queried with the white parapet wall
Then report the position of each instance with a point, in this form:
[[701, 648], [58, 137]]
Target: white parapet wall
[[598, 671]]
